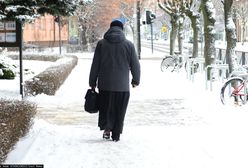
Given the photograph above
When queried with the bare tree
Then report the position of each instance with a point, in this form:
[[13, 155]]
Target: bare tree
[[180, 33], [85, 13], [231, 38], [95, 17], [127, 10], [191, 9], [172, 8], [208, 11], [240, 11]]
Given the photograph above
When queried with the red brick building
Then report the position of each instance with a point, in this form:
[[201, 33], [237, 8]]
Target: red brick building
[[44, 31]]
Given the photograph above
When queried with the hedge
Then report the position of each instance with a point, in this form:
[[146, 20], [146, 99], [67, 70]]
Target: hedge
[[16, 116], [37, 57], [15, 121], [49, 81]]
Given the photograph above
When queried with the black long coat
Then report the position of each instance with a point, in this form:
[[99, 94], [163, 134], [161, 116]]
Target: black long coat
[[114, 58]]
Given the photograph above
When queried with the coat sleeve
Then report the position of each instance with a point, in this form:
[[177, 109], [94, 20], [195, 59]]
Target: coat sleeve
[[134, 66], [95, 66]]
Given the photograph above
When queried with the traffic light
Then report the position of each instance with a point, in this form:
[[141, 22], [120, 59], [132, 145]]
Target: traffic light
[[149, 17]]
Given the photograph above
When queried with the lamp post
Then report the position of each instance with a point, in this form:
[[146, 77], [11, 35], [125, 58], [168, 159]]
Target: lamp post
[[59, 23]]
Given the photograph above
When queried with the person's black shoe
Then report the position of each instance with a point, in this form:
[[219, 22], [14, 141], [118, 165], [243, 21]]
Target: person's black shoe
[[115, 137], [106, 134]]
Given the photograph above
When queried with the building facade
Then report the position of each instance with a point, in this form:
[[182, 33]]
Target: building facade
[[44, 31], [240, 16]]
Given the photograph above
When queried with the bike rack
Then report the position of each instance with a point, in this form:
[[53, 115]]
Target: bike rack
[[219, 67], [190, 67], [244, 76]]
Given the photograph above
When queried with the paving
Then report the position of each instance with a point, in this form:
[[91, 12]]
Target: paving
[[142, 109]]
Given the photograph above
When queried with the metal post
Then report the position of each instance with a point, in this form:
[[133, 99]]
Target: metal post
[[54, 31], [138, 29], [220, 54], [206, 77], [135, 38], [243, 58], [59, 35], [152, 37], [20, 61], [245, 92]]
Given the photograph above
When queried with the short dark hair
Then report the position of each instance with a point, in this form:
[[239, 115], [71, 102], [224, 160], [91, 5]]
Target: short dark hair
[[116, 23]]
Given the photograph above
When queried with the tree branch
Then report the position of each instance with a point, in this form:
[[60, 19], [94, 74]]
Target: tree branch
[[164, 8]]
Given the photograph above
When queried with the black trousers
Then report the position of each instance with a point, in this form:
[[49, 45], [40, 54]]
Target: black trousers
[[112, 111]]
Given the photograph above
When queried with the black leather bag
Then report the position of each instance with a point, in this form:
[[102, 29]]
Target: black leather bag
[[91, 104]]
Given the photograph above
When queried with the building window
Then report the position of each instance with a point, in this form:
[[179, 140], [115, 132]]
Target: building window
[[10, 25]]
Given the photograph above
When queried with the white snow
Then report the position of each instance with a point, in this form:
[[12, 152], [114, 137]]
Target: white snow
[[210, 8], [230, 24], [171, 122]]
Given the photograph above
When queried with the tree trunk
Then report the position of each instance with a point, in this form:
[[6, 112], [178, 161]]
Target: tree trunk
[[84, 38], [174, 13], [243, 29], [209, 21], [194, 18], [195, 36], [230, 36], [173, 34], [180, 35]]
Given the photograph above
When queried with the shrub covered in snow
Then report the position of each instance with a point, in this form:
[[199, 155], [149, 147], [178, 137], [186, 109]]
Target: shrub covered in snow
[[49, 81], [7, 68], [15, 121], [38, 57]]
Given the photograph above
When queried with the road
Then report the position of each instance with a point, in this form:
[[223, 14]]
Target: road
[[164, 46]]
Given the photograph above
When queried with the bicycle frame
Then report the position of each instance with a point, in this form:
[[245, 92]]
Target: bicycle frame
[[235, 87], [237, 90]]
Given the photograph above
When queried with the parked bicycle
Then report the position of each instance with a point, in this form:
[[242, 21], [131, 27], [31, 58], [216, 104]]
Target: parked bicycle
[[172, 62], [234, 91], [176, 61]]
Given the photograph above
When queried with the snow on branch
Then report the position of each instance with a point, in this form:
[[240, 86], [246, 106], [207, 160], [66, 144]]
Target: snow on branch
[[165, 7], [230, 24], [211, 9]]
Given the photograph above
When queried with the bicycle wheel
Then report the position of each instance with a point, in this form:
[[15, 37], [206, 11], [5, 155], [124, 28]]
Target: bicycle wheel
[[232, 92], [167, 64], [196, 67]]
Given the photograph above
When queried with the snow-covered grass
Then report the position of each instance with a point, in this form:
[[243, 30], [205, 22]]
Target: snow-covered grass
[[11, 88], [171, 122]]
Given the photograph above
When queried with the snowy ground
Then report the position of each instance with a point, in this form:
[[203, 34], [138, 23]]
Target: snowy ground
[[171, 122]]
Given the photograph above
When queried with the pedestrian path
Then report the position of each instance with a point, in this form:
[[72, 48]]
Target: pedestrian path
[[66, 107], [169, 124], [140, 112]]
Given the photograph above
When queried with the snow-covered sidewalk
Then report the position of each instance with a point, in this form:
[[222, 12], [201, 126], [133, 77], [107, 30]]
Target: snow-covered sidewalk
[[170, 123]]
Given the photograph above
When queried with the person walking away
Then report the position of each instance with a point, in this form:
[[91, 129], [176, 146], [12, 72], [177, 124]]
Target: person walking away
[[114, 58]]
